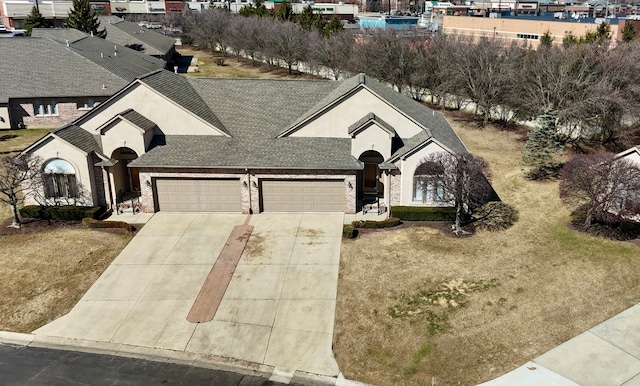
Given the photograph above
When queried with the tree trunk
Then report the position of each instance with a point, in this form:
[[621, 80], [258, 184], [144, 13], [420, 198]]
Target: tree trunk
[[457, 227], [16, 219]]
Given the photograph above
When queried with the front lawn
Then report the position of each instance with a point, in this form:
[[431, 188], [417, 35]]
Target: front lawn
[[419, 306], [45, 269]]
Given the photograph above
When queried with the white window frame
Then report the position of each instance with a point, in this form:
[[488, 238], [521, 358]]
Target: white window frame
[[45, 108], [86, 104]]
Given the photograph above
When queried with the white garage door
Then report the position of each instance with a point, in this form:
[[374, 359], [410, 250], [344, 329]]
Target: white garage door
[[184, 195], [303, 196]]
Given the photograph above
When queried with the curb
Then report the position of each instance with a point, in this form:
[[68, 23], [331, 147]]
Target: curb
[[208, 361]]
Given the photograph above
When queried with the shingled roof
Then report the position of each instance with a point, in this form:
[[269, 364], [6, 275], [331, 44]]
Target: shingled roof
[[88, 66], [124, 33], [178, 89], [431, 121], [277, 153], [38, 67], [80, 138]]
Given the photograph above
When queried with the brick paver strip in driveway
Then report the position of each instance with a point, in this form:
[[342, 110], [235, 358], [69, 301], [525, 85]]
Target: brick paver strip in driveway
[[214, 287]]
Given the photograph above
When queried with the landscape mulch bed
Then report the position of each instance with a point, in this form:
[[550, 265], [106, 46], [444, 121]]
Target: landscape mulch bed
[[443, 226], [36, 225]]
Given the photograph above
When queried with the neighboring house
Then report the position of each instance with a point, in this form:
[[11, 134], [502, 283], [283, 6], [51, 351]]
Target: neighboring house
[[139, 38], [249, 145], [632, 155], [48, 82]]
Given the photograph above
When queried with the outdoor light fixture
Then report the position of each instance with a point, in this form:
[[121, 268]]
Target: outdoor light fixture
[[148, 183], [253, 183], [244, 184], [349, 185]]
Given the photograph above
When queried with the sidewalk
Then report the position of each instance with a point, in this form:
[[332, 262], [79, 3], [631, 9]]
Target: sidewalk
[[606, 355]]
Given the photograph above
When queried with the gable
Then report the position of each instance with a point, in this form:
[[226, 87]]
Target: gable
[[372, 136], [121, 133], [331, 122], [171, 118]]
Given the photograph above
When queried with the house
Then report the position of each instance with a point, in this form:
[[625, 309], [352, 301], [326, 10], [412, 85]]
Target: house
[[248, 145], [139, 38], [47, 82], [632, 155]]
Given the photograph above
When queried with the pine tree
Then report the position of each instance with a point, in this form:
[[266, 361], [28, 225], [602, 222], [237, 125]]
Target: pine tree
[[628, 32], [542, 150], [81, 18], [284, 12], [34, 20]]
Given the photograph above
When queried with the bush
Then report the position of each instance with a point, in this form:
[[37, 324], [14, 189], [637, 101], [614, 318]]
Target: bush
[[349, 231], [93, 223], [422, 213], [390, 222], [495, 216], [67, 212]]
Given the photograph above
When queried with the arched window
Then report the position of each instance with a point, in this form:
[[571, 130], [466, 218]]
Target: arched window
[[427, 185], [59, 179]]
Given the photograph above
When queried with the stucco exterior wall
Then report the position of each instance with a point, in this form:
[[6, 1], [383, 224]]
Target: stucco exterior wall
[[633, 157], [372, 138], [122, 134], [334, 125], [5, 122], [409, 166], [170, 118], [51, 149]]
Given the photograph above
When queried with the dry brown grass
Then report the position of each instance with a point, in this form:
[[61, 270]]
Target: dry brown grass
[[233, 68], [553, 283], [44, 274], [45, 270]]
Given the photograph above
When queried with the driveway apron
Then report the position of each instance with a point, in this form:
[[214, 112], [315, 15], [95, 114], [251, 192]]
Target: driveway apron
[[278, 308]]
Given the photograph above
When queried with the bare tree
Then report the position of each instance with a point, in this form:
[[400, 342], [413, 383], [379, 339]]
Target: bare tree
[[484, 71], [210, 28], [19, 177], [288, 43], [599, 185], [388, 56], [462, 179], [332, 52]]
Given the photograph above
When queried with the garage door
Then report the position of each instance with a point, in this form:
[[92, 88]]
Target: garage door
[[303, 196], [183, 195]]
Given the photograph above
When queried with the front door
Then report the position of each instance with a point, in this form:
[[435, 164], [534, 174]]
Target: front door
[[370, 178]]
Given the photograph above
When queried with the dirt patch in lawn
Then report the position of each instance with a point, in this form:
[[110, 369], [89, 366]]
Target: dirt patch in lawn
[[46, 268], [516, 294]]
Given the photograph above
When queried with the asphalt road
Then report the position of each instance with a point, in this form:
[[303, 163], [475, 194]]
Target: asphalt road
[[36, 366]]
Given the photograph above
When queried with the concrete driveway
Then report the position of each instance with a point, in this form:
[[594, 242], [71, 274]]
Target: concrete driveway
[[278, 309]]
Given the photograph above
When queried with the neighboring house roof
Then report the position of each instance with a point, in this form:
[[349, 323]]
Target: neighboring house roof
[[61, 35], [36, 67], [87, 67], [126, 33]]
